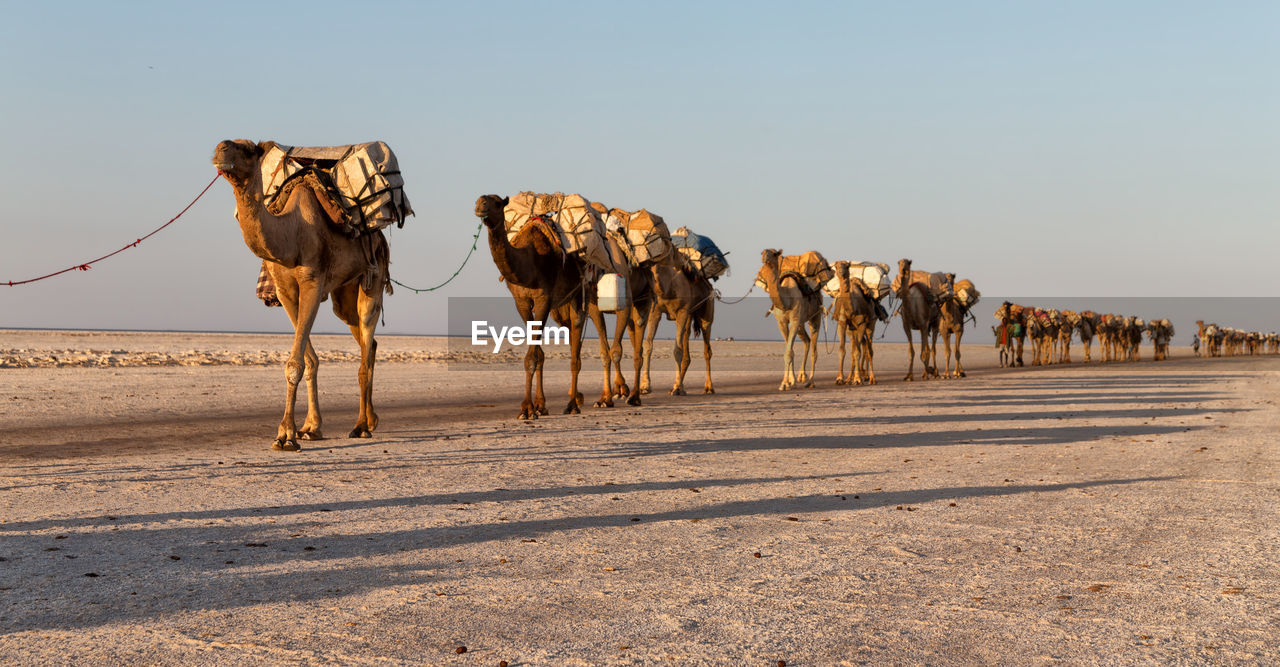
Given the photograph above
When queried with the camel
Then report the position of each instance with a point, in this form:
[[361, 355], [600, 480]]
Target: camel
[[1004, 343], [1088, 328], [632, 318], [919, 312], [1109, 330], [309, 260], [1067, 327], [795, 305], [854, 312], [685, 297], [1042, 330], [544, 282], [952, 313]]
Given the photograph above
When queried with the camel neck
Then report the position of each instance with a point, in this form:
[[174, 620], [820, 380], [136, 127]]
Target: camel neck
[[516, 265], [268, 236], [772, 284]]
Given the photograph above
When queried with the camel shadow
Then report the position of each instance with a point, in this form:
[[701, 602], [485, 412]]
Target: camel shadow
[[228, 566]]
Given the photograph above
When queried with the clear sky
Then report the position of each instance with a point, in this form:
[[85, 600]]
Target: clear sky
[[1037, 148]]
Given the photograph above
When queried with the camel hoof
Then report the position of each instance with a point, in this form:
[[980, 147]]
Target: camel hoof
[[645, 390], [960, 374], [634, 399], [572, 408], [310, 435], [283, 445], [602, 403], [708, 390], [908, 379], [677, 391], [360, 432]]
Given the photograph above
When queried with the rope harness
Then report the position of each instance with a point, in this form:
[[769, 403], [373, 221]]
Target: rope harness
[[86, 266]]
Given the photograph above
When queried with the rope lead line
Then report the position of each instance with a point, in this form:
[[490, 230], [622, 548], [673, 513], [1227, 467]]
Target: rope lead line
[[475, 240], [733, 301], [85, 266]]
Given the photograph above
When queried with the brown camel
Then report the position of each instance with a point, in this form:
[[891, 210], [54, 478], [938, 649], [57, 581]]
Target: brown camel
[[685, 297], [795, 306], [854, 312], [310, 259], [919, 312], [1088, 328], [546, 283], [953, 309]]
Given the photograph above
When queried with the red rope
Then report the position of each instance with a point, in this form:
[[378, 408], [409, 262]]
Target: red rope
[[86, 265]]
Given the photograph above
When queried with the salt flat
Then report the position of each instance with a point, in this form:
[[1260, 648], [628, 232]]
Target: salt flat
[[1120, 512]]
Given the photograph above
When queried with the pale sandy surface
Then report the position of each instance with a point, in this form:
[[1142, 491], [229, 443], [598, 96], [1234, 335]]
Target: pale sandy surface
[[1124, 513]]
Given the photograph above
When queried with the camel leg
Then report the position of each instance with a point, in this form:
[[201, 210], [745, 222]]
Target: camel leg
[[811, 352], [929, 353], [311, 428], [533, 404], [637, 332], [959, 366], [681, 351], [707, 387], [946, 350], [870, 355], [606, 357], [650, 330], [369, 308], [842, 329], [360, 312], [803, 377], [911, 352], [621, 326], [303, 314], [577, 319], [788, 337]]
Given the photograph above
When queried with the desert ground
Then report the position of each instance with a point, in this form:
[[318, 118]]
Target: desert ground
[[1111, 513]]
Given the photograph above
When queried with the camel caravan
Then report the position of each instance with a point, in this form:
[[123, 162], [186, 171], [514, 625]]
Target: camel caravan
[[569, 258], [1051, 332], [1215, 341], [930, 303], [315, 216]]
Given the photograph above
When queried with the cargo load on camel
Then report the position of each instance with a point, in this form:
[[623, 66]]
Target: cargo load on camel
[[967, 294], [873, 276], [701, 252], [567, 222], [811, 266], [936, 282], [643, 236], [362, 182]]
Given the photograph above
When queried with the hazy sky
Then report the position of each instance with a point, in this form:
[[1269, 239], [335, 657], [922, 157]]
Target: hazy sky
[[1037, 148]]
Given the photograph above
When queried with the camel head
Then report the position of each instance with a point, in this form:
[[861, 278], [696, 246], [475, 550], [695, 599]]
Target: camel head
[[489, 210], [904, 266], [842, 275], [770, 257], [236, 159]]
